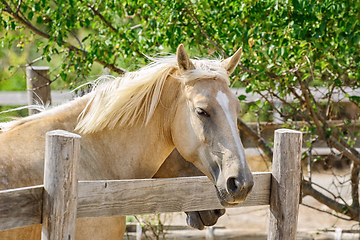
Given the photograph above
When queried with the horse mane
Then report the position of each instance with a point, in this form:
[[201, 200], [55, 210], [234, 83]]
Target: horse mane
[[44, 111], [134, 97], [124, 101]]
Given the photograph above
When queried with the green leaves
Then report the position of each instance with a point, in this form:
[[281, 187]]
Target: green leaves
[[275, 35], [242, 97], [355, 99]]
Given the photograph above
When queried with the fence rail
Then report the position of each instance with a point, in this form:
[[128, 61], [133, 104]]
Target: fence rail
[[126, 197], [57, 206], [21, 97]]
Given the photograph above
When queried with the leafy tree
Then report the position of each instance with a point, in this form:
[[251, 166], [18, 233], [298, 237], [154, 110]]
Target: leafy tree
[[291, 51]]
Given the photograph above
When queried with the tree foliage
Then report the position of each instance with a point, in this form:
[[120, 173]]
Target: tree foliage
[[291, 51]]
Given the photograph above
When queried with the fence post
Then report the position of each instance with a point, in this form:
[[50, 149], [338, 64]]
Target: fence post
[[285, 185], [209, 234], [60, 185], [38, 85]]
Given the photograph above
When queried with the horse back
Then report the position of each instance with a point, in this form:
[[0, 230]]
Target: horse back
[[22, 151]]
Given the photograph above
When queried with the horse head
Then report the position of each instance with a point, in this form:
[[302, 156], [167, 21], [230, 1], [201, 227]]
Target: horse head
[[207, 136]]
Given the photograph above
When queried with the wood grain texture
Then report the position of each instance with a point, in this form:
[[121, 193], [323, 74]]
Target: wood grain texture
[[128, 197], [116, 198], [20, 207], [60, 185], [38, 84], [285, 185]]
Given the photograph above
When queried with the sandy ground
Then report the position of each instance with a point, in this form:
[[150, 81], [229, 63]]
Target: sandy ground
[[252, 222]]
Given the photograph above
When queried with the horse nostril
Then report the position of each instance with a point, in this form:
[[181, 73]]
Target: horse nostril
[[233, 185]]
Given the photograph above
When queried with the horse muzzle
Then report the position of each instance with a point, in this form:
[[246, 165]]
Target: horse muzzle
[[234, 190]]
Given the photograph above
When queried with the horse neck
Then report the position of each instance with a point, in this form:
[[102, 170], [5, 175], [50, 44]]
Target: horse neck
[[136, 151], [71, 110], [167, 106]]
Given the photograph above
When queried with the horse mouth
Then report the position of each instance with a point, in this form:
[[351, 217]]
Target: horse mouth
[[228, 200], [200, 219], [195, 221]]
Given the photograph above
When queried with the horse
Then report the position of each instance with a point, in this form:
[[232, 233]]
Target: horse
[[130, 125]]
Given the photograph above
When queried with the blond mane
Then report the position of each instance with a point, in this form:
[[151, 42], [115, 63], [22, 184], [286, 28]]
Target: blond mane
[[134, 97]]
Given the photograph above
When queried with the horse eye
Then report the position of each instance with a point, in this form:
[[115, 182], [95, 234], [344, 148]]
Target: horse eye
[[202, 112]]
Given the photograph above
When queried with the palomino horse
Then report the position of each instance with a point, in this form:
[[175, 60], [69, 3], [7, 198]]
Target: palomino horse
[[130, 125]]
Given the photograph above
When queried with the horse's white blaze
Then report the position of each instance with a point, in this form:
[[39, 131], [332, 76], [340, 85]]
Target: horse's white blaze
[[223, 100]]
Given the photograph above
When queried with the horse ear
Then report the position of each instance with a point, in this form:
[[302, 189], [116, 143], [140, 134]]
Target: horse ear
[[230, 63], [183, 60]]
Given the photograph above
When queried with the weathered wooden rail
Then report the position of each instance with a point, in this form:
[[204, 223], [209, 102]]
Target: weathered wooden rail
[[62, 198]]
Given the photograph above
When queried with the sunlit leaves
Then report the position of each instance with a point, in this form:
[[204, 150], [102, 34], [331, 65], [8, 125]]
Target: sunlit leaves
[[275, 35]]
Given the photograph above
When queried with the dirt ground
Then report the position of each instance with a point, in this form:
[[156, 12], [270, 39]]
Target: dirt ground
[[252, 222]]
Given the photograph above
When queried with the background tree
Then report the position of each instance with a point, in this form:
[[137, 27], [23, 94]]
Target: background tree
[[301, 54]]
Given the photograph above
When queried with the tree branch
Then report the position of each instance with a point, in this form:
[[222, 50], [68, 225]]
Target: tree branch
[[332, 214], [41, 58], [344, 150], [354, 178], [97, 13], [18, 6], [341, 146], [27, 24], [304, 92], [327, 109], [307, 189], [204, 33], [259, 141], [16, 16]]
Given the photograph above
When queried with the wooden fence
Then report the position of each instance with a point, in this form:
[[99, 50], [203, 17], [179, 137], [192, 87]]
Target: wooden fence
[[62, 198]]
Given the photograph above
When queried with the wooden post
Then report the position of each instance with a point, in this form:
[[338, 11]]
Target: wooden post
[[209, 234], [138, 231], [60, 185], [38, 85], [285, 185]]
